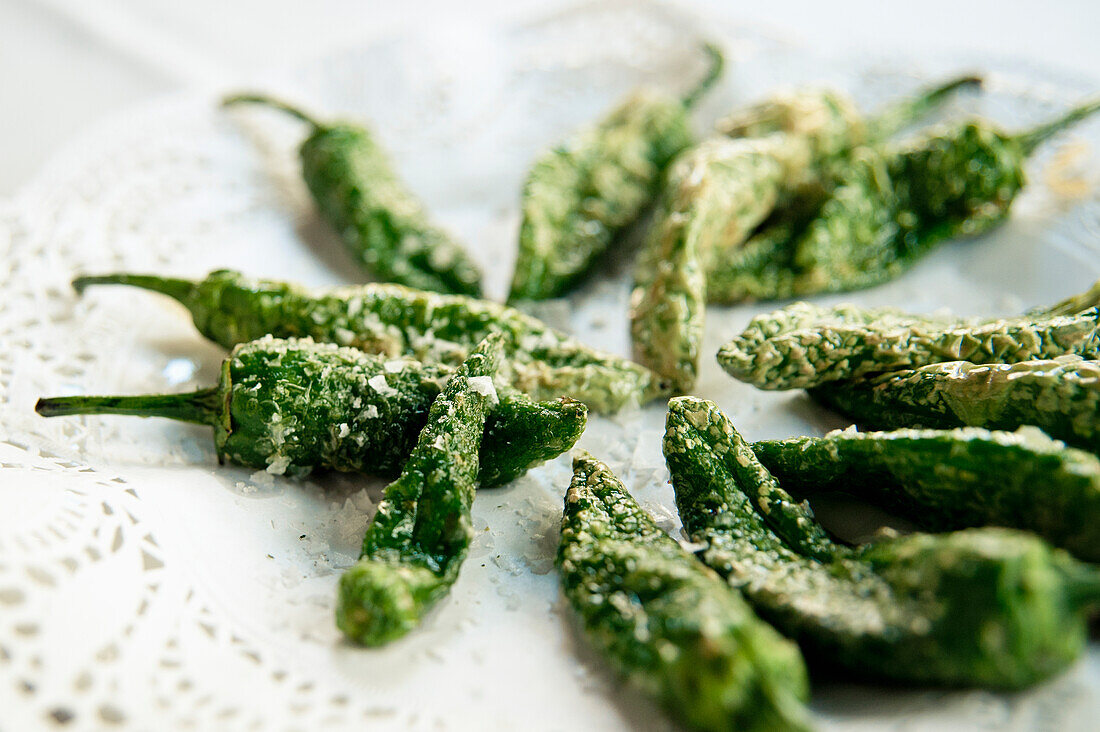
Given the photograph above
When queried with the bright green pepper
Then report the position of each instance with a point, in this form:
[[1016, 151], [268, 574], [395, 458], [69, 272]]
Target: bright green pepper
[[419, 537], [953, 479], [382, 223], [580, 195], [229, 308], [1061, 396], [982, 607], [293, 406], [667, 623]]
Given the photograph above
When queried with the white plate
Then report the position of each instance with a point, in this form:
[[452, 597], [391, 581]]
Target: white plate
[[141, 585]]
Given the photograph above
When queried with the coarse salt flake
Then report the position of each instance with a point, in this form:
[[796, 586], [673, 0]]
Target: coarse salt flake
[[378, 383], [278, 464], [484, 386]]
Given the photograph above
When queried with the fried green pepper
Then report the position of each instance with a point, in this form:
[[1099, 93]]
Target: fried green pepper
[[293, 406], [667, 623], [953, 479], [1061, 396], [382, 223], [803, 345], [229, 308], [891, 207], [580, 195], [715, 192], [829, 126], [981, 607], [755, 269], [831, 120], [419, 537]]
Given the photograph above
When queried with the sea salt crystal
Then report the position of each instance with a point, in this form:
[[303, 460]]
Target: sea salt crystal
[[278, 464], [350, 520], [378, 383], [484, 386]]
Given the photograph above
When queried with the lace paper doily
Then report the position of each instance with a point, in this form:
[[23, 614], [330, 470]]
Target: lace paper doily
[[143, 587]]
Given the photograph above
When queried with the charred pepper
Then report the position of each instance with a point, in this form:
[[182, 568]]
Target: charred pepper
[[418, 539], [580, 195], [1061, 396], [952, 479], [382, 223], [293, 406], [981, 607], [803, 345], [666, 622], [392, 320]]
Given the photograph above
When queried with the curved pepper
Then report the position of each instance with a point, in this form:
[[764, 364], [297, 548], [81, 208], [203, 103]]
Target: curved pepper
[[981, 607], [580, 195], [382, 223], [953, 479], [803, 345], [419, 537], [666, 622]]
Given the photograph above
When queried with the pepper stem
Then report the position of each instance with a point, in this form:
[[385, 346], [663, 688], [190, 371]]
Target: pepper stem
[[1033, 138], [1072, 305], [899, 114], [201, 407], [174, 287], [714, 72], [274, 103]]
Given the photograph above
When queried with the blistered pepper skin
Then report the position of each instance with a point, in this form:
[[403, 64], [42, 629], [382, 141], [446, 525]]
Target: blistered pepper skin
[[803, 345], [296, 406], [1060, 396], [891, 209], [984, 607], [420, 535], [384, 226], [666, 622], [827, 123], [391, 320], [715, 192], [945, 480], [580, 195], [888, 207]]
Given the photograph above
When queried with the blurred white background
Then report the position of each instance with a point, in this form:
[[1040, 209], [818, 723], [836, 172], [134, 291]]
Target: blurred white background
[[64, 64]]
